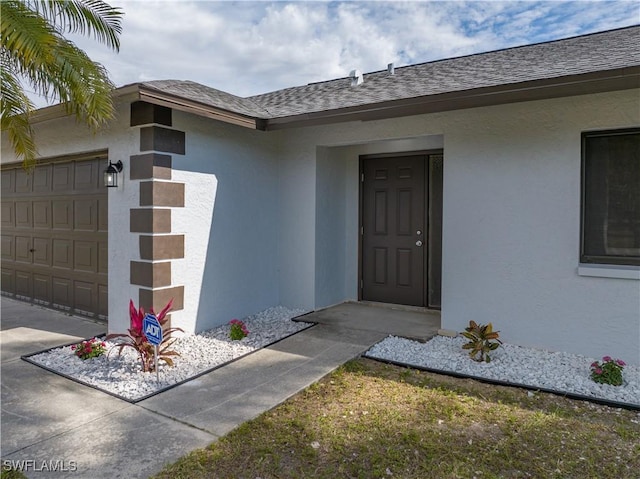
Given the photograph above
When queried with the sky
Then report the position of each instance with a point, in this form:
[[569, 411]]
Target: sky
[[250, 47]]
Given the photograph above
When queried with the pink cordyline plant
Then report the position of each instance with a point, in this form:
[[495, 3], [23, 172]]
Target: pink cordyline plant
[[138, 341]]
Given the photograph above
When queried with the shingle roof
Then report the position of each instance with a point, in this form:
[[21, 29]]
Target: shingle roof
[[208, 96], [586, 54], [597, 52]]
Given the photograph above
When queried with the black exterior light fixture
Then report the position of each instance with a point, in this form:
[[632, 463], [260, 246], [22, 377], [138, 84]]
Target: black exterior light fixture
[[111, 174]]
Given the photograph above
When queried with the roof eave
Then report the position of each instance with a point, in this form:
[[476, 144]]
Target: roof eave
[[573, 85], [595, 82], [138, 91], [190, 106]]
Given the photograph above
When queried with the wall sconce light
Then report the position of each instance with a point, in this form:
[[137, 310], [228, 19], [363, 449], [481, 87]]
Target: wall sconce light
[[111, 174]]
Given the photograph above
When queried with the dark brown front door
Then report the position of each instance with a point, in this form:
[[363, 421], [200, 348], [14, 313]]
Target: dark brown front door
[[397, 230]]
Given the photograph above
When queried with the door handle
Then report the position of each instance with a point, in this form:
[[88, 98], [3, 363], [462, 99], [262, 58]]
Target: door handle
[[418, 243]]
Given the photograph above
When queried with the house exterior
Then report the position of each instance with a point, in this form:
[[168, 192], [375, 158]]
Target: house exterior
[[501, 187]]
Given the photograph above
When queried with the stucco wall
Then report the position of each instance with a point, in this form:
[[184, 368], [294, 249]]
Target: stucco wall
[[511, 219], [296, 223], [512, 228], [229, 221], [330, 228]]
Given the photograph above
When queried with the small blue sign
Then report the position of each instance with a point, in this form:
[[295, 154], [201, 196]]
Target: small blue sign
[[152, 329]]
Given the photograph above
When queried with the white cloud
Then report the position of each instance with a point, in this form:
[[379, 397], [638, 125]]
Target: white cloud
[[247, 48]]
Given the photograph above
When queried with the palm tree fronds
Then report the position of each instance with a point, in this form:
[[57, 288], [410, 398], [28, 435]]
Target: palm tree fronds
[[34, 49], [26, 37], [14, 119], [87, 17]]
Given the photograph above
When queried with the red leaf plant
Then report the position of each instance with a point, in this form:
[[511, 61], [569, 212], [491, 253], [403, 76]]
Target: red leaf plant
[[138, 341]]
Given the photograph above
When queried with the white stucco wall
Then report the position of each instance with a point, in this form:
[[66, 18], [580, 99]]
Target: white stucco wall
[[511, 219], [512, 228], [330, 228], [296, 223], [229, 221]]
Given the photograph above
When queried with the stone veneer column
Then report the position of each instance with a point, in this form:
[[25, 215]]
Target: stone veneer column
[[158, 194]]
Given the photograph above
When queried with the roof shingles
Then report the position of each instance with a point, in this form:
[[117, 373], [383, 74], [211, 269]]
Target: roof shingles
[[596, 52]]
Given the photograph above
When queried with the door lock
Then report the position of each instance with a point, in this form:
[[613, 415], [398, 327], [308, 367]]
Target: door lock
[[418, 243]]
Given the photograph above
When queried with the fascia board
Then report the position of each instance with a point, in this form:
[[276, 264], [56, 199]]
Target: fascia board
[[599, 82]]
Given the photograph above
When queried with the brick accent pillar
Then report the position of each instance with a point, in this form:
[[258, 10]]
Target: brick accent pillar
[[158, 244]]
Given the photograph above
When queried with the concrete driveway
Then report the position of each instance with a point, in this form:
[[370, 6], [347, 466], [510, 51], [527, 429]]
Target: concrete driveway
[[54, 427]]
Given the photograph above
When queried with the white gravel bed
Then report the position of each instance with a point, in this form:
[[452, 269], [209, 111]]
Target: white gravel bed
[[122, 375], [557, 371]]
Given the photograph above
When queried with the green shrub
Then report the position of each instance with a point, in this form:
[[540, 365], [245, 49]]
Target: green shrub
[[482, 340]]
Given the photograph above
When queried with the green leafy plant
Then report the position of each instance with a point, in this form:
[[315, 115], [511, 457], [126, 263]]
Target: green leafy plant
[[608, 372], [238, 330], [91, 348], [482, 340], [136, 339]]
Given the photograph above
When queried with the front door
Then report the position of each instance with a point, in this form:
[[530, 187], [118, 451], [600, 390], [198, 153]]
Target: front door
[[397, 230]]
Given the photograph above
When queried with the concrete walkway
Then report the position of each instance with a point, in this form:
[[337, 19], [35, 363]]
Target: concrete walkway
[[82, 432]]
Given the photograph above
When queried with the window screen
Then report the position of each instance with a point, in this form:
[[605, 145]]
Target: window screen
[[611, 197]]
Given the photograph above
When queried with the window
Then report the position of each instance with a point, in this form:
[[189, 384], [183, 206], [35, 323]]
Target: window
[[611, 197]]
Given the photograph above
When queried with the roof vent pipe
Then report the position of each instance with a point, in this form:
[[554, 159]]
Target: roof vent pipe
[[391, 69], [356, 77]]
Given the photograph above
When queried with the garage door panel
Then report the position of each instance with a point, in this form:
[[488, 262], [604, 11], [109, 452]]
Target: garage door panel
[[7, 277], [42, 251], [23, 181], [7, 213], [86, 176], [61, 293], [42, 179], [8, 181], [42, 214], [85, 255], [23, 214], [62, 214], [62, 253], [85, 215], [23, 249], [42, 289], [24, 282], [7, 248], [85, 296], [63, 177]]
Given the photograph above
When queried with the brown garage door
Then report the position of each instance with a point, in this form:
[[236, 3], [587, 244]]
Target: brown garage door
[[54, 236]]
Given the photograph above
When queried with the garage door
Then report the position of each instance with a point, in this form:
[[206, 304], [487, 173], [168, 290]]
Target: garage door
[[54, 236]]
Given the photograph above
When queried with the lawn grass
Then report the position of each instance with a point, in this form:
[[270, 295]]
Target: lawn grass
[[11, 474], [373, 420]]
